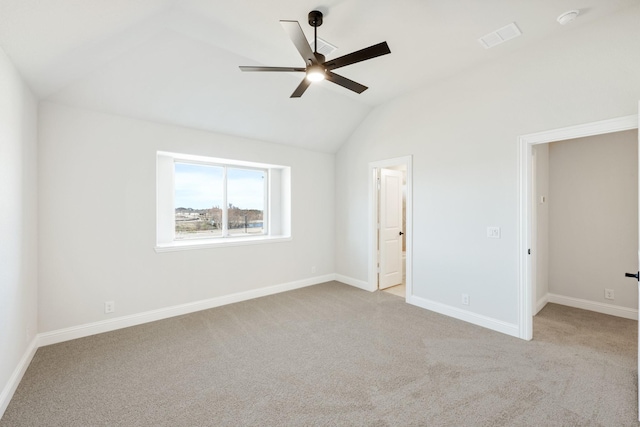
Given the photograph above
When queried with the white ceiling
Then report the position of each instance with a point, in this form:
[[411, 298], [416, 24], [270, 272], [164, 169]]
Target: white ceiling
[[176, 61]]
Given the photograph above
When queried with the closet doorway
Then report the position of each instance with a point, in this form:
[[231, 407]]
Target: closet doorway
[[528, 301]]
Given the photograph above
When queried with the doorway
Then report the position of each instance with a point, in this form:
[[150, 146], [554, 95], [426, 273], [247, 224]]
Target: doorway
[[390, 225], [585, 223], [527, 291], [392, 220]]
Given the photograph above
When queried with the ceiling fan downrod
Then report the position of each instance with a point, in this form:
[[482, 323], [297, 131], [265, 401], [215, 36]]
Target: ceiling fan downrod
[[315, 20]]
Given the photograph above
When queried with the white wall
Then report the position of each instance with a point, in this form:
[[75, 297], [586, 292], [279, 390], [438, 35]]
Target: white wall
[[541, 225], [97, 219], [593, 217], [463, 135], [18, 255]]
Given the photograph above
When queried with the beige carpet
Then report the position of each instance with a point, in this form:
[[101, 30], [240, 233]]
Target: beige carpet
[[332, 355]]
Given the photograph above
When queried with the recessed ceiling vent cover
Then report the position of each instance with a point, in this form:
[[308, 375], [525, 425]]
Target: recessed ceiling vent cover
[[500, 36], [324, 47]]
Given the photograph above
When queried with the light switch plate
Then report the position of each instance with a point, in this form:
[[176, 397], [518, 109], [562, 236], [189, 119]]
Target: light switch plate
[[493, 232]]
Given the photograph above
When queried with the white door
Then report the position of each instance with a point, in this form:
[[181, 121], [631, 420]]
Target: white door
[[390, 236]]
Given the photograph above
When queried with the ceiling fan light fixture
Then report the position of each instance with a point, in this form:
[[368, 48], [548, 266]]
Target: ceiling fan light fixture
[[315, 73]]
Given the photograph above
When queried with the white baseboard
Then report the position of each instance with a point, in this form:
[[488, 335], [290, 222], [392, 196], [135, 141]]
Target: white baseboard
[[541, 303], [74, 332], [361, 284], [16, 377], [467, 316], [610, 309]]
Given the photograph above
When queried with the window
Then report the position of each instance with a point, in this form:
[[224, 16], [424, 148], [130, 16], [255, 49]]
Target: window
[[205, 201], [218, 201]]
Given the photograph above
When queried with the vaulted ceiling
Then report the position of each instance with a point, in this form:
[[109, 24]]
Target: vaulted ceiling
[[176, 61]]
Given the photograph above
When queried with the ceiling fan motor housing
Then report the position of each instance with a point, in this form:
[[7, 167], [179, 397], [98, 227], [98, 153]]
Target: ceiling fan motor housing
[[315, 18]]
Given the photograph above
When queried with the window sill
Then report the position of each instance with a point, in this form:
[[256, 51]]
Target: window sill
[[187, 245]]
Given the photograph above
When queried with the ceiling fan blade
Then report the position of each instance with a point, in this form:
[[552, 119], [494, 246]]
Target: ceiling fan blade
[[345, 82], [251, 68], [295, 33], [358, 56], [301, 88]]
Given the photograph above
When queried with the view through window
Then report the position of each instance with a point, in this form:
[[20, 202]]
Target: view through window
[[218, 201]]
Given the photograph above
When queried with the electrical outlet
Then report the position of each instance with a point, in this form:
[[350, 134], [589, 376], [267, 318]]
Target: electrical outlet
[[109, 307], [609, 294], [313, 269], [465, 299]]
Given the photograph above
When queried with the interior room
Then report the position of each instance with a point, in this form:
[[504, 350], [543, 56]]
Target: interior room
[[117, 117]]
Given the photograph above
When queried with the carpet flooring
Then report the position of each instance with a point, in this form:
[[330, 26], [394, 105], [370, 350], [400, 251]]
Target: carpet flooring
[[334, 355]]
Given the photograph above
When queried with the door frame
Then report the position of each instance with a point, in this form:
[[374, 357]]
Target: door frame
[[526, 174], [373, 221]]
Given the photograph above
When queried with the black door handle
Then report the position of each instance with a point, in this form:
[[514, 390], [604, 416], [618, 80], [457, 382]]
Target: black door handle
[[637, 275], [401, 233]]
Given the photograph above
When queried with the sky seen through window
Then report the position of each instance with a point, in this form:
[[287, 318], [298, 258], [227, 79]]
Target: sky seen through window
[[200, 187]]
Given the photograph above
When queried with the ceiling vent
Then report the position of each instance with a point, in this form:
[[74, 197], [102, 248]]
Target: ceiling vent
[[497, 37], [324, 47]]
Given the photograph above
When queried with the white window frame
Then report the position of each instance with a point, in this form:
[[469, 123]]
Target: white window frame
[[276, 216]]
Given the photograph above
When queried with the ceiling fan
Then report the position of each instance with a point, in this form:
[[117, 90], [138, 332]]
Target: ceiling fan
[[316, 67]]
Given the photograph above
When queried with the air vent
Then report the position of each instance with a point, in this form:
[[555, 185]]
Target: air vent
[[324, 47], [500, 36]]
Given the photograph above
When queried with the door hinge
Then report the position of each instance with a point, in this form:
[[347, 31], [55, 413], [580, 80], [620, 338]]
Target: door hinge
[[529, 251]]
